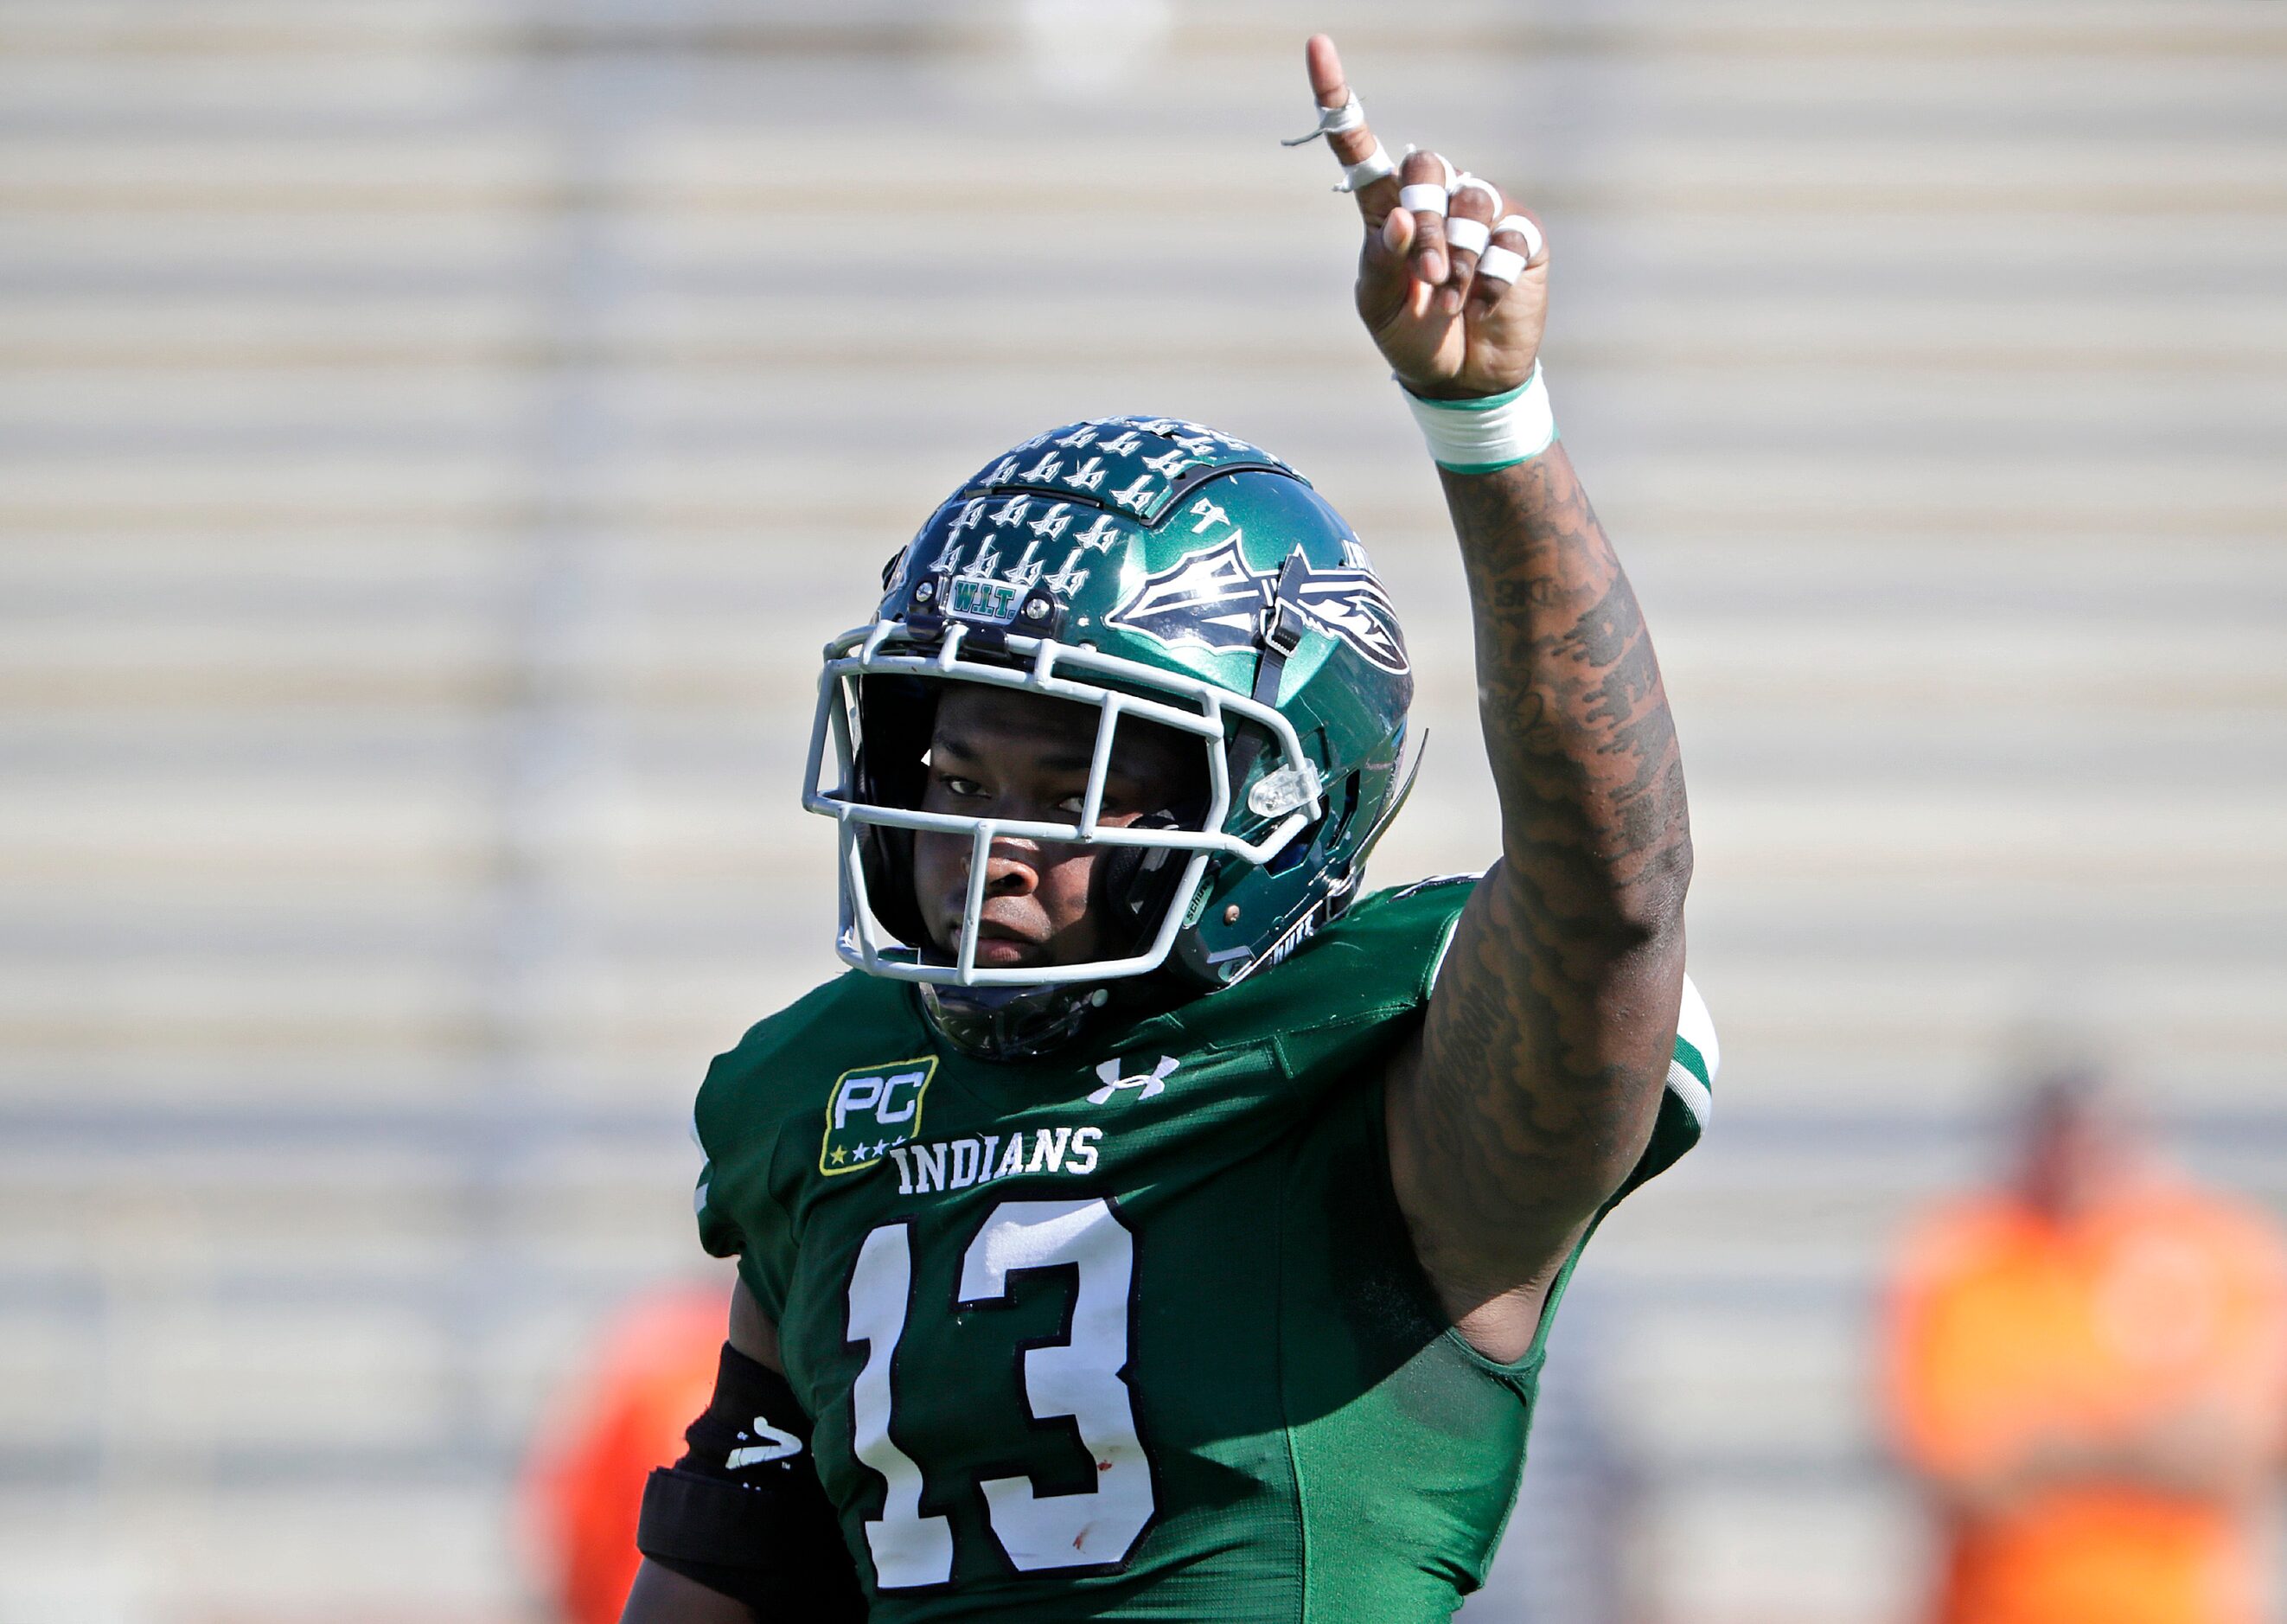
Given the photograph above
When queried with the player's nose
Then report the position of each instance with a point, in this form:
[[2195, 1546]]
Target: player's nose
[[1012, 868]]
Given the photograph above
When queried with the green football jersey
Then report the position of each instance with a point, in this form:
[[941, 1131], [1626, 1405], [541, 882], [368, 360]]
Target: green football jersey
[[1135, 1331]]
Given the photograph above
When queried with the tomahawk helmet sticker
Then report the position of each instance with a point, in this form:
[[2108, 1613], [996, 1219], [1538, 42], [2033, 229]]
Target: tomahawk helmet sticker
[[1212, 599]]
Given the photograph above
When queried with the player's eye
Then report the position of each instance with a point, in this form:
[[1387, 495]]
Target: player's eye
[[1122, 796], [1071, 804], [953, 784]]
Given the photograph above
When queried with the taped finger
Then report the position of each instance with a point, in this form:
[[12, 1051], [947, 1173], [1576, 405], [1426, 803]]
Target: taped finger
[[1431, 263], [1470, 206], [1332, 121], [1367, 169], [1423, 197], [1427, 181], [1523, 226], [1349, 120], [1466, 182], [1422, 194], [1500, 264]]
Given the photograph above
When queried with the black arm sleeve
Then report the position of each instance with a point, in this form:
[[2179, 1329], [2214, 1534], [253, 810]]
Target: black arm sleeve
[[743, 1513]]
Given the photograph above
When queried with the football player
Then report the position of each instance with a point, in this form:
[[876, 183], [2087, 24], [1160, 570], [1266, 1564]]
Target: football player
[[1153, 1224]]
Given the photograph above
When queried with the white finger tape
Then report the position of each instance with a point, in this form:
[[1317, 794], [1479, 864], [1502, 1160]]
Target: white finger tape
[[1367, 169], [1500, 264], [1444, 164], [1524, 228], [1467, 235], [1495, 432], [1466, 182], [1424, 197], [1332, 121]]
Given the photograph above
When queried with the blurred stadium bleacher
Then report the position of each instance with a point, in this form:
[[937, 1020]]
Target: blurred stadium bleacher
[[436, 436]]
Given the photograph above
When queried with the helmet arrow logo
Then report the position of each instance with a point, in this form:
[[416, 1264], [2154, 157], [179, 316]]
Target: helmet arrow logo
[[1211, 599]]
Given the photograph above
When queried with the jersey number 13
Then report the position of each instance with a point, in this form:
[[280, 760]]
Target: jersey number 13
[[1079, 1377]]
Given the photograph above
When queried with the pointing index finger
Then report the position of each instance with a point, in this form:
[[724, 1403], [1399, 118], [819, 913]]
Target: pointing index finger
[[1325, 64], [1376, 198]]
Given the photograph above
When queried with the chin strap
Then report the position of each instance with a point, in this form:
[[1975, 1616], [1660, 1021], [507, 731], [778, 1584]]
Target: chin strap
[[1010, 1023]]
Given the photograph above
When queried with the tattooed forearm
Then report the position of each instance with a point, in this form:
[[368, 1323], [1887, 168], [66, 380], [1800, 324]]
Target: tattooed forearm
[[1545, 1046], [1576, 720]]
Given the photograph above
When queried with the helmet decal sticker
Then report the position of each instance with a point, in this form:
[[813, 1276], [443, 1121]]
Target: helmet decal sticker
[[989, 586], [1139, 496], [1111, 465], [1053, 523], [1212, 599], [1099, 536]]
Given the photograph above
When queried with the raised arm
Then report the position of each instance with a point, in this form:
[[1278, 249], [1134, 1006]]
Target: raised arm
[[1533, 1087]]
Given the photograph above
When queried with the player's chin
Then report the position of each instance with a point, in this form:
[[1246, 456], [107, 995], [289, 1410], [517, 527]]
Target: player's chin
[[1009, 953], [995, 950]]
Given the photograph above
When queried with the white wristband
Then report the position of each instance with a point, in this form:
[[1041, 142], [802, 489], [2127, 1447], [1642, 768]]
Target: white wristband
[[1496, 431]]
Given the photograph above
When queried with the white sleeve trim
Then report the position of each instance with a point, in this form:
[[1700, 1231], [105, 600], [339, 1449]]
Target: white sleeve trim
[[1444, 946], [1695, 1026], [1691, 1092]]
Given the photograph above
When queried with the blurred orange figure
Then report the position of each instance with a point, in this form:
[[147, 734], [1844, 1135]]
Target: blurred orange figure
[[584, 1482], [2089, 1372]]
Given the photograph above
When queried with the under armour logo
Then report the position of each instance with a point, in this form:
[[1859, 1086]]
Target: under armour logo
[[775, 1446], [1153, 1082]]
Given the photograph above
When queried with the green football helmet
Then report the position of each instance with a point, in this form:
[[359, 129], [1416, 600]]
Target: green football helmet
[[1159, 572]]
